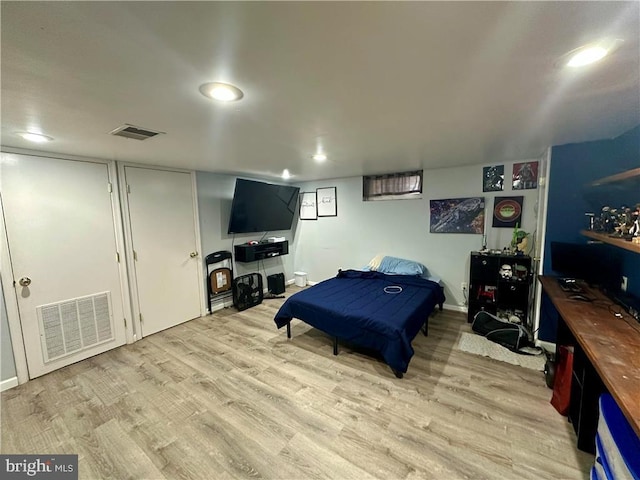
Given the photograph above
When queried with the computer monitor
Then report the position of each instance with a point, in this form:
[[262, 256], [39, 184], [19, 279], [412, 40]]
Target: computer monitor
[[596, 264]]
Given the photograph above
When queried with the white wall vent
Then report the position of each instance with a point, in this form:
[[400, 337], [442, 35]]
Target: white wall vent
[[137, 133], [74, 325]]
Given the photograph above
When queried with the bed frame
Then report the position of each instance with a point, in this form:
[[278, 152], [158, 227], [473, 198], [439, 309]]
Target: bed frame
[[372, 310], [398, 374]]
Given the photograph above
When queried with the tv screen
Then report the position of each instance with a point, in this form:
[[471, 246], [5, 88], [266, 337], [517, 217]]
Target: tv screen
[[262, 207], [598, 265]]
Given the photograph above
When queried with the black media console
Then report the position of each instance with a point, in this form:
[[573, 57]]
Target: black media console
[[259, 251]]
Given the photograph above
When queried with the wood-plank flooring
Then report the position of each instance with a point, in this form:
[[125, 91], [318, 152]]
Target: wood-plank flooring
[[229, 396]]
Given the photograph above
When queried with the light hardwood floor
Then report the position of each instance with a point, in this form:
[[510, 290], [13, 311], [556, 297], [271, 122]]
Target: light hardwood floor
[[229, 396]]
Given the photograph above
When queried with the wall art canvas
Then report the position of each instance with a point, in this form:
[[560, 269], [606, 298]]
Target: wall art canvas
[[525, 176], [308, 210], [507, 211], [326, 198], [493, 178], [457, 215]]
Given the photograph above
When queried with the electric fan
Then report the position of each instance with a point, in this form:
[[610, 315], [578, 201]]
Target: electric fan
[[247, 291]]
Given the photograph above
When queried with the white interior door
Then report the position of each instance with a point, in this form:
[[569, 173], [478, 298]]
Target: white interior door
[[166, 261], [59, 218]]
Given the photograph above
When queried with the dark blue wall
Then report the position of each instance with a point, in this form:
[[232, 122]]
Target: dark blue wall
[[572, 167]]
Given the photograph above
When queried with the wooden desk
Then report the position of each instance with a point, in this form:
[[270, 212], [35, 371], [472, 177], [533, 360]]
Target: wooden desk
[[611, 344]]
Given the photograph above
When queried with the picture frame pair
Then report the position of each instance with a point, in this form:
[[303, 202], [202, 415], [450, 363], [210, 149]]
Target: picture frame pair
[[321, 203], [524, 177]]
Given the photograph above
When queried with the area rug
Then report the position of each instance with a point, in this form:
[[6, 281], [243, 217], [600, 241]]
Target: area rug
[[472, 343]]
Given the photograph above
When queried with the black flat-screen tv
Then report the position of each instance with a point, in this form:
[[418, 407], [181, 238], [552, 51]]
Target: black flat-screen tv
[[596, 264], [262, 207]]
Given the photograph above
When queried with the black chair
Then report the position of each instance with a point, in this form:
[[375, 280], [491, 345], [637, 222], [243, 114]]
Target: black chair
[[220, 279]]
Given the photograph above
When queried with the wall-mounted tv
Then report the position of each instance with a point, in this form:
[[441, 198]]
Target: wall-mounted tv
[[262, 207]]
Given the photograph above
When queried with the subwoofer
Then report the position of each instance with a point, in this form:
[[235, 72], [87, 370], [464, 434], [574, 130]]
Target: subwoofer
[[275, 283]]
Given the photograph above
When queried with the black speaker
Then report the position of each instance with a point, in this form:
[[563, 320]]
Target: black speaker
[[275, 283]]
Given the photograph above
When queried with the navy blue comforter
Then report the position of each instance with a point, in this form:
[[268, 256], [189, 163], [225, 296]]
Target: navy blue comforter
[[354, 307]]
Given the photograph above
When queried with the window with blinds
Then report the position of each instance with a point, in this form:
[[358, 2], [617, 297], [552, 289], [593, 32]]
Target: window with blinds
[[392, 186]]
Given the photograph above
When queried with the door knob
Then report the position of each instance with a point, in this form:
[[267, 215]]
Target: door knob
[[193, 254], [24, 281]]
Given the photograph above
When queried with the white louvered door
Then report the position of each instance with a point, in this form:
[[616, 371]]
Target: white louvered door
[[62, 241]]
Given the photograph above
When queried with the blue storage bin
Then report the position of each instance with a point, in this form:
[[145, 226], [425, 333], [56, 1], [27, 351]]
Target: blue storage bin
[[597, 473], [617, 444], [601, 460]]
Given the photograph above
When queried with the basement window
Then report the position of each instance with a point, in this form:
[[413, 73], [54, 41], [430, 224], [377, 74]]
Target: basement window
[[392, 186]]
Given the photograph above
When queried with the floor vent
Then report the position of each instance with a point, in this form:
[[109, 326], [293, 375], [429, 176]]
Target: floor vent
[[136, 133], [74, 325]]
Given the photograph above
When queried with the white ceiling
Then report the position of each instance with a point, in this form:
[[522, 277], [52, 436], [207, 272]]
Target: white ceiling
[[384, 86]]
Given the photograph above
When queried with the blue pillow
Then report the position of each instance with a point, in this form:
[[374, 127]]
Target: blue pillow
[[400, 266]]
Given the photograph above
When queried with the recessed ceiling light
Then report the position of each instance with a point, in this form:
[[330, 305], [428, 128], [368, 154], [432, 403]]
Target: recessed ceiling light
[[286, 174], [591, 53], [35, 137], [319, 157], [224, 92], [586, 56]]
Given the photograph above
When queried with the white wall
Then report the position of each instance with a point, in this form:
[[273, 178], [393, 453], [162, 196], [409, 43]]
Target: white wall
[[400, 228], [7, 363], [215, 194]]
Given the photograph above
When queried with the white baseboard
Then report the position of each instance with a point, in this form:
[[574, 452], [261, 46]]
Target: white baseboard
[[309, 283], [455, 308], [8, 383]]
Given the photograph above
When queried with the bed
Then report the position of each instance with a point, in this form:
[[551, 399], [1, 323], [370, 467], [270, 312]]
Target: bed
[[370, 309]]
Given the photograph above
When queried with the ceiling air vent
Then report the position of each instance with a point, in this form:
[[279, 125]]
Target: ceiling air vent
[[137, 133]]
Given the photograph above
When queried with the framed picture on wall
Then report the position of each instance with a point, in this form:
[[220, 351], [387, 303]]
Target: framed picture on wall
[[493, 178], [525, 176], [457, 215], [326, 198], [507, 211], [308, 209]]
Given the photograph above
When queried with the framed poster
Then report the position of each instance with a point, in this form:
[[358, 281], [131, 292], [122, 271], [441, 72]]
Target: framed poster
[[308, 210], [326, 198], [493, 178], [525, 176], [457, 215], [507, 211]]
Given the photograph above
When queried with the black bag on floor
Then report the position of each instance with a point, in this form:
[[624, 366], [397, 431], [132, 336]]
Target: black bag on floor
[[509, 335]]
